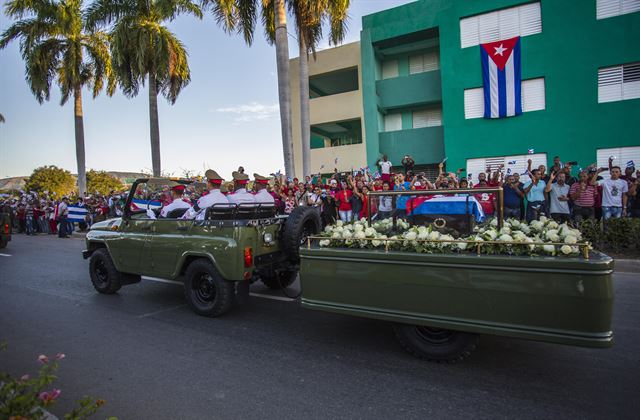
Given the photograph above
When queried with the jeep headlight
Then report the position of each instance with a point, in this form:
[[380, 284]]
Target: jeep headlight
[[268, 238]]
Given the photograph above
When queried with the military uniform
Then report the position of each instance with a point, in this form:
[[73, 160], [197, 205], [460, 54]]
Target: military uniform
[[177, 203], [213, 197], [262, 196], [240, 195]]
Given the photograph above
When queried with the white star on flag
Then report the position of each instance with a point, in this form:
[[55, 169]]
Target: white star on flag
[[499, 50]]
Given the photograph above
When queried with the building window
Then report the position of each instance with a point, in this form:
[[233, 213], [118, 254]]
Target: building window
[[533, 98], [622, 157], [339, 133], [393, 122], [512, 164], [610, 8], [389, 69], [427, 118], [619, 83], [422, 63], [502, 24]]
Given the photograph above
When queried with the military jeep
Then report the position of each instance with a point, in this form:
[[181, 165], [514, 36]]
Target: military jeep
[[216, 257]]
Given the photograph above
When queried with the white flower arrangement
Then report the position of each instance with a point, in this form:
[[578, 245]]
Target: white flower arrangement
[[425, 239]]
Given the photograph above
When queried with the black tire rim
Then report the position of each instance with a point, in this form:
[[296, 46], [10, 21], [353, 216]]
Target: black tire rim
[[102, 274], [434, 335], [203, 289]]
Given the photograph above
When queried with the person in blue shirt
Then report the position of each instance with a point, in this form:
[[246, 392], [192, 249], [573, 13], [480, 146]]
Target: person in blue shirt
[[401, 201], [513, 195], [534, 190]]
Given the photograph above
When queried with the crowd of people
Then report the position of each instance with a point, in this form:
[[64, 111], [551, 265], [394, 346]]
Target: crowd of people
[[559, 192]]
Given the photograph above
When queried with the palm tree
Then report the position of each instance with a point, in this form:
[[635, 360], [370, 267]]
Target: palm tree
[[56, 46], [240, 16], [1, 118], [309, 16], [143, 49]]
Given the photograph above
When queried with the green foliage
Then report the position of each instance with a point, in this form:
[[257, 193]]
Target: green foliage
[[52, 179], [27, 397], [617, 235], [102, 182]]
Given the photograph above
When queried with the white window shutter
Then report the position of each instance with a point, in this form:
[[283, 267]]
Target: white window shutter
[[489, 28], [533, 95], [469, 32], [431, 61], [416, 64], [630, 6], [631, 81], [530, 19], [389, 69], [427, 118], [508, 23], [473, 103], [610, 84], [393, 122], [610, 8], [502, 24], [621, 156]]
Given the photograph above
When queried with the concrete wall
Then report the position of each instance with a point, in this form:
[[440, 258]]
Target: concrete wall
[[340, 107]]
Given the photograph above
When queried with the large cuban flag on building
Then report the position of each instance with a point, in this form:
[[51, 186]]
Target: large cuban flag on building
[[501, 78]]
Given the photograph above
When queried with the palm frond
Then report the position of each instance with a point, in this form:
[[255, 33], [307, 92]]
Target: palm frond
[[269, 21]]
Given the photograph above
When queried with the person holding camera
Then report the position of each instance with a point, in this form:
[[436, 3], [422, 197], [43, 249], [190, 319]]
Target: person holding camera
[[407, 163]]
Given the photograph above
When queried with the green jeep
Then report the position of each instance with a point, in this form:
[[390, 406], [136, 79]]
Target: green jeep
[[216, 258]]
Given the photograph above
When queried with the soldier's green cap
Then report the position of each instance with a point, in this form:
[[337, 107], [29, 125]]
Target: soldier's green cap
[[212, 175], [237, 176]]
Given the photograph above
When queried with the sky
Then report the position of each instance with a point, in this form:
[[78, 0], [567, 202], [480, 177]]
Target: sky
[[226, 117]]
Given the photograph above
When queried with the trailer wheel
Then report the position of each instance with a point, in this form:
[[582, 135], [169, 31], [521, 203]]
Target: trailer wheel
[[277, 279], [301, 223], [435, 344], [207, 293]]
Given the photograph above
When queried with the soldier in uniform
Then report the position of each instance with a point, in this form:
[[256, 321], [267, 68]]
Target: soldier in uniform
[[177, 192], [213, 197], [240, 195], [262, 195]]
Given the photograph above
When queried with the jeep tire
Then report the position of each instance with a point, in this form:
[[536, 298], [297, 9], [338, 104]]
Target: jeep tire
[[301, 223], [207, 293], [435, 344], [105, 277]]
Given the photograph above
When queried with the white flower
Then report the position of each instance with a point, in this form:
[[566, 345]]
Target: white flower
[[529, 240], [434, 235], [553, 237], [370, 232], [551, 224], [328, 229], [505, 231], [336, 235], [576, 233], [359, 235], [519, 237], [491, 234], [525, 229], [461, 245], [543, 219], [423, 235], [410, 236], [566, 249], [494, 222], [570, 239], [505, 238], [515, 223], [358, 227], [338, 229], [325, 242], [376, 243], [347, 234], [549, 248], [535, 224], [339, 223]]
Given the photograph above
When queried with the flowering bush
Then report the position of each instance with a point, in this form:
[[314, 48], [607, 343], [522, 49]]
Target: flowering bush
[[540, 237], [27, 397]]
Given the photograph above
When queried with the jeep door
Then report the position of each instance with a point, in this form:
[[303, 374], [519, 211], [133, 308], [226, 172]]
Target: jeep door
[[169, 240], [134, 243]]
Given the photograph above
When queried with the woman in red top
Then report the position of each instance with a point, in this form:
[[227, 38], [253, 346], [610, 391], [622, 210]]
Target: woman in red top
[[343, 198]]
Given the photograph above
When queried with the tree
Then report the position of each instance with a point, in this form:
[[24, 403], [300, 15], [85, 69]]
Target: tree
[[55, 46], [142, 48], [1, 118], [52, 179], [309, 17], [102, 182], [240, 16]]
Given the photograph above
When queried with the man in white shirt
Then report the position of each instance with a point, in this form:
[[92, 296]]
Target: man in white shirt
[[385, 168], [214, 196], [177, 191], [240, 195], [62, 214], [614, 195], [262, 196]]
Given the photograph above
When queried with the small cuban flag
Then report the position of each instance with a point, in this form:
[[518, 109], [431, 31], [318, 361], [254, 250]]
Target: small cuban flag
[[501, 78], [630, 164], [511, 162], [531, 151]]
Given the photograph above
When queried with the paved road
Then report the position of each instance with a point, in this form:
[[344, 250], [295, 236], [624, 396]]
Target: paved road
[[150, 357]]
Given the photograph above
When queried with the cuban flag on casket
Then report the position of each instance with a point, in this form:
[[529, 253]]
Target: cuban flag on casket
[[441, 204], [501, 78]]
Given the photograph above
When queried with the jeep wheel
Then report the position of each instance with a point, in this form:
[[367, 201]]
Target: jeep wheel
[[104, 275], [3, 242], [206, 291], [301, 223], [277, 279], [435, 344]]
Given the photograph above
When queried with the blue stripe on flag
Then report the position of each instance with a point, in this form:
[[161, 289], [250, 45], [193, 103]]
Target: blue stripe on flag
[[517, 77], [485, 82], [502, 93], [76, 214]]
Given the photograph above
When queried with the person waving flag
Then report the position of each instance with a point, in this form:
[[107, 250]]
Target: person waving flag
[[501, 78]]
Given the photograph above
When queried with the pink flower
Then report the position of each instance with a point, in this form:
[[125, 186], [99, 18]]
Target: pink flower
[[24, 378], [43, 359], [48, 397], [60, 356]]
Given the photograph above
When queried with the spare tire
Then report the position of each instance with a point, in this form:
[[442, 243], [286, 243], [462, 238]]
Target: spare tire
[[301, 223]]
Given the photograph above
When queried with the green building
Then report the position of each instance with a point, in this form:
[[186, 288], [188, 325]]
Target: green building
[[421, 83]]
